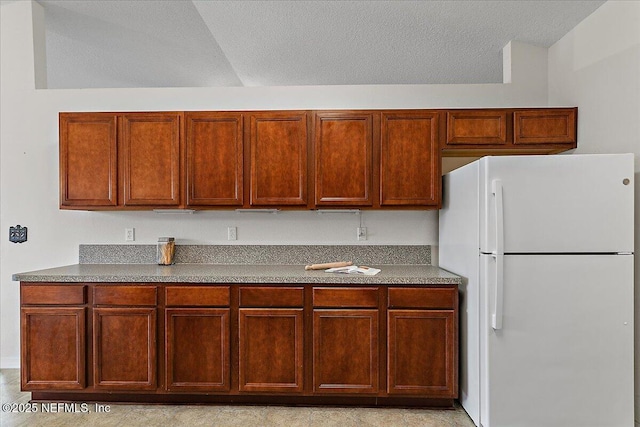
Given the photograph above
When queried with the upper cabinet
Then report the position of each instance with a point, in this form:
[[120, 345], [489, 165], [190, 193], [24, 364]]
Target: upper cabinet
[[115, 160], [369, 159], [88, 160], [510, 131], [409, 159], [151, 160], [344, 144], [545, 127], [278, 158], [214, 159]]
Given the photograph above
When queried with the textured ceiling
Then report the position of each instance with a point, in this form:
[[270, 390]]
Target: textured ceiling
[[183, 43]]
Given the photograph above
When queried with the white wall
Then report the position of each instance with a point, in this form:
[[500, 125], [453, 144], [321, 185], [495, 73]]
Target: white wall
[[597, 67], [29, 160]]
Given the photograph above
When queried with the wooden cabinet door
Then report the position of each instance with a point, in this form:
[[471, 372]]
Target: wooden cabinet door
[[409, 159], [150, 146], [278, 147], [197, 349], [345, 351], [88, 160], [343, 147], [271, 349], [53, 348], [421, 353], [477, 127], [545, 126], [124, 348], [214, 159]]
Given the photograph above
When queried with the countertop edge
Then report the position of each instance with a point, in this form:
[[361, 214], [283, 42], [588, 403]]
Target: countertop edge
[[290, 274]]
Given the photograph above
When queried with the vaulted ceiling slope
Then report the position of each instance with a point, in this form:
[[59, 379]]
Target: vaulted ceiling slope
[[199, 43]]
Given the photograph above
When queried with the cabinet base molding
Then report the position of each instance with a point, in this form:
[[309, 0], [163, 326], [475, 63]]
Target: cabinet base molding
[[181, 398]]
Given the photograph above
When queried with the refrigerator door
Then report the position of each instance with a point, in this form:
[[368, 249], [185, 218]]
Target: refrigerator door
[[553, 204], [564, 354]]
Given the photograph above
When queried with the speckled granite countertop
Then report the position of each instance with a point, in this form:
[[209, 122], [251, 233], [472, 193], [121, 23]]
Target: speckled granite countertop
[[235, 273]]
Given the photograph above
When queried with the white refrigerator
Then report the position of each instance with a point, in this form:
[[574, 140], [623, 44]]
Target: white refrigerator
[[545, 248]]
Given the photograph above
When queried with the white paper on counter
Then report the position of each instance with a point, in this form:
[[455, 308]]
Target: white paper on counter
[[354, 269]]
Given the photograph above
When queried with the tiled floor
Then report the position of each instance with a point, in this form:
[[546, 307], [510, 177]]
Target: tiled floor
[[218, 416]]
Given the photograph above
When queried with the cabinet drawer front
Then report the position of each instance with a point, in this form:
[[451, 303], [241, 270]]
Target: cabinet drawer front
[[52, 294], [124, 295], [423, 297], [271, 297], [198, 296], [345, 297]]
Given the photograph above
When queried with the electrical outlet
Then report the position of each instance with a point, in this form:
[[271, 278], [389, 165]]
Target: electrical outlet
[[129, 234], [232, 233], [362, 233]]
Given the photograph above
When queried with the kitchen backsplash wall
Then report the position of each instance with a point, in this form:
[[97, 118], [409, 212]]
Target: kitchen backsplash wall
[[259, 254]]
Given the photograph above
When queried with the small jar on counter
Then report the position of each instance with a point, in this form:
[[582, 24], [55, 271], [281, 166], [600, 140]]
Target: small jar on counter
[[166, 250]]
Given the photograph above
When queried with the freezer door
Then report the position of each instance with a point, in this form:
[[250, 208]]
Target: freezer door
[[552, 204], [564, 354]]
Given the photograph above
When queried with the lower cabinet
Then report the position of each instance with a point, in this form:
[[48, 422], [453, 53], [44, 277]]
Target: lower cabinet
[[422, 341], [197, 336], [52, 336], [345, 339], [271, 339], [370, 345], [125, 337]]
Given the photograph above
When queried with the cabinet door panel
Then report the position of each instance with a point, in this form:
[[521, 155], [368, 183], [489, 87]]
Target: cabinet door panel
[[477, 127], [345, 351], [151, 159], [422, 352], [53, 348], [544, 126], [343, 143], [197, 349], [88, 159], [271, 350], [124, 348], [214, 159], [278, 158], [125, 295], [410, 164]]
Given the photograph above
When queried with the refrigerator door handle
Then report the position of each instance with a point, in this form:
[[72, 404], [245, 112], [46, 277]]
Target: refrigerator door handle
[[496, 189], [498, 255], [496, 316]]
